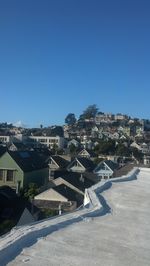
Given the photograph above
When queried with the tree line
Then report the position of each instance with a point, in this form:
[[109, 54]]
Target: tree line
[[90, 112]]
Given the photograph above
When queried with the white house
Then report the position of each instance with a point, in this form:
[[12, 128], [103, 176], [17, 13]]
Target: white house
[[105, 169], [6, 139]]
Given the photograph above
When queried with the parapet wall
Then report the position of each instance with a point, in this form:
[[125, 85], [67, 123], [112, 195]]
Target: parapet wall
[[91, 194], [94, 204]]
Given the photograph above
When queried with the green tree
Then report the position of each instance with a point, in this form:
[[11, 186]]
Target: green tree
[[105, 147], [90, 112], [121, 150], [73, 149], [70, 119], [55, 148], [32, 191]]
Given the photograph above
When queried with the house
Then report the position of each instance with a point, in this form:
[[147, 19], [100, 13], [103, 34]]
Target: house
[[81, 165], [145, 148], [127, 131], [73, 142], [146, 160], [18, 169], [100, 135], [121, 117], [115, 135], [6, 138], [61, 196], [87, 153], [94, 132], [17, 146], [106, 169], [56, 163], [103, 117], [76, 181], [123, 137], [86, 144]]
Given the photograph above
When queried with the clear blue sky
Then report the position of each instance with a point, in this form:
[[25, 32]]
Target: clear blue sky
[[59, 56]]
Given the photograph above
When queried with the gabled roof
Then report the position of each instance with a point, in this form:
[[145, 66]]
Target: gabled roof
[[61, 162], [75, 179], [28, 160], [112, 165], [74, 141], [86, 163], [88, 152], [43, 153], [19, 145], [67, 192]]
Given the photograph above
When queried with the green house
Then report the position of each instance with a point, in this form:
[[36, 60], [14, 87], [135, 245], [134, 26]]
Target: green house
[[19, 168]]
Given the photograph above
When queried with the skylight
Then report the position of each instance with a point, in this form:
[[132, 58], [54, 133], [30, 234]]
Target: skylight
[[24, 154]]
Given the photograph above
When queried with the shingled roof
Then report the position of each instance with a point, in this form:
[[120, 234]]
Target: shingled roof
[[2, 150], [61, 162], [67, 192], [112, 165], [80, 181], [28, 160], [85, 162]]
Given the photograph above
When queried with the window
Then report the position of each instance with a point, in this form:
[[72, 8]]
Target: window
[[43, 140], [53, 140], [1, 174], [9, 176], [52, 174]]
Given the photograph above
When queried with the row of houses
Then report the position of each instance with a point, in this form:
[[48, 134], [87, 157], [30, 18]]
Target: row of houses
[[20, 168], [104, 131], [21, 143]]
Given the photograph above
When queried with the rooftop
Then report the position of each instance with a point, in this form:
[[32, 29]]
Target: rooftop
[[28, 160], [112, 230]]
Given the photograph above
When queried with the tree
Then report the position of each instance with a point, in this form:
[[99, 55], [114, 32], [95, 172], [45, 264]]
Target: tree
[[137, 154], [57, 131], [121, 150], [70, 119], [90, 112], [105, 147], [31, 191], [73, 149], [55, 149]]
